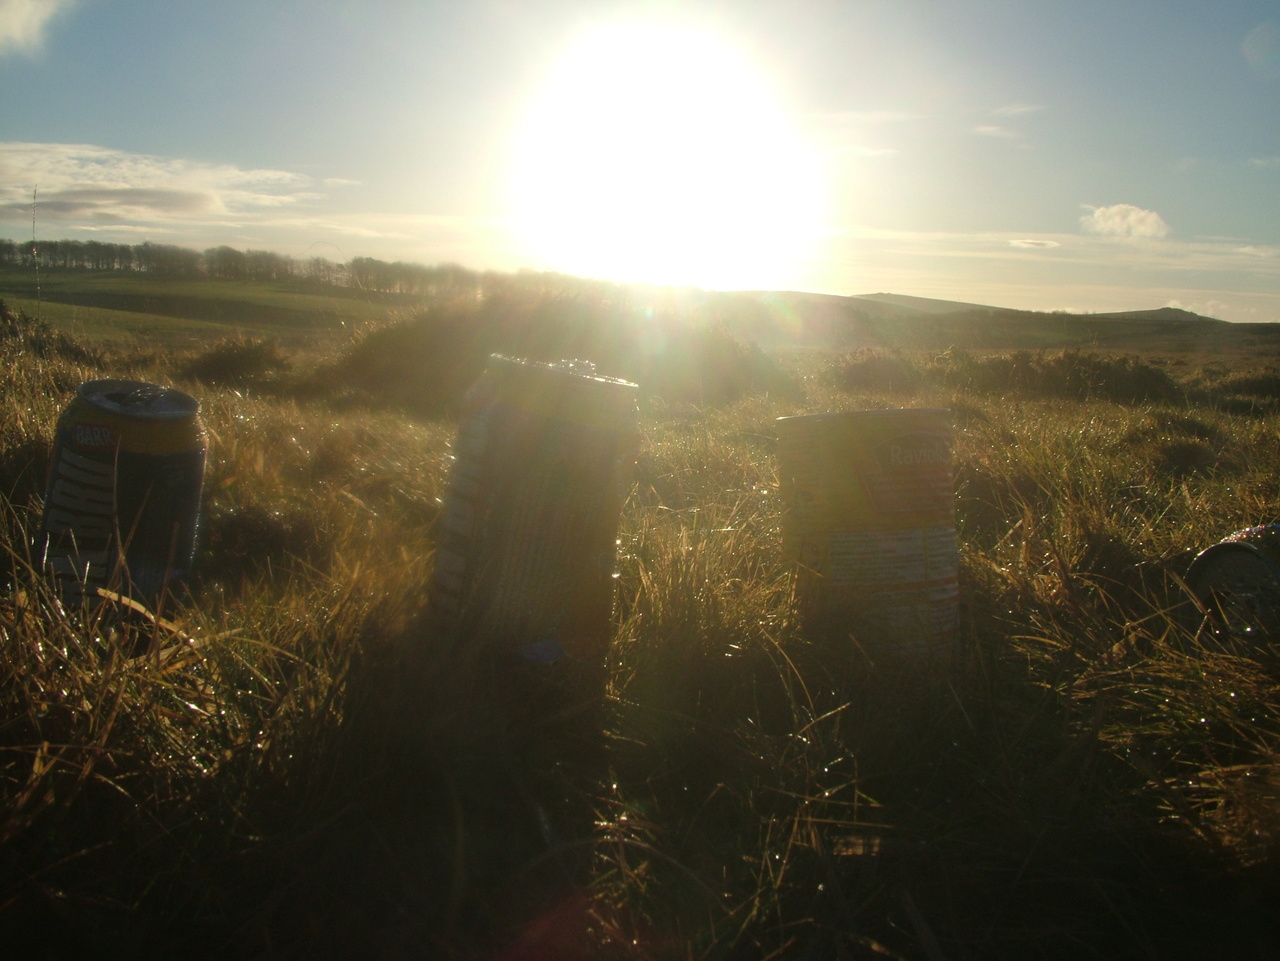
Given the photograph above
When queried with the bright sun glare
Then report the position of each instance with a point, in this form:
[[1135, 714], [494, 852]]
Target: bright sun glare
[[660, 154]]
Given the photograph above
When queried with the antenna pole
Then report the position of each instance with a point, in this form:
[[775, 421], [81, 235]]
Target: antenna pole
[[35, 252]]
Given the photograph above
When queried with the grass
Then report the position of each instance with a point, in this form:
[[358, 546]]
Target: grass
[[129, 309], [295, 765]]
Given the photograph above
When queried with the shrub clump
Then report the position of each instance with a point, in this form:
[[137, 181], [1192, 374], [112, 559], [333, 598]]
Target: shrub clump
[[422, 364], [708, 366], [1262, 385], [28, 335], [425, 363], [1066, 375], [238, 362], [870, 369]]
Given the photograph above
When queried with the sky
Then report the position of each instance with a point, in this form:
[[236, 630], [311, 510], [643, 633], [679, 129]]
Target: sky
[[1084, 156]]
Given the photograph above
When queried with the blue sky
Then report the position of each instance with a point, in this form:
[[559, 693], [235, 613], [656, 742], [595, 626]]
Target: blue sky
[[1083, 156]]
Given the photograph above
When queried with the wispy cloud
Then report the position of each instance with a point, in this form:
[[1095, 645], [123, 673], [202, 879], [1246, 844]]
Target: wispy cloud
[[859, 133], [23, 23], [1017, 109], [1034, 244], [1267, 253], [1261, 49], [1123, 220], [117, 205], [1001, 130], [98, 191], [1264, 161], [86, 185]]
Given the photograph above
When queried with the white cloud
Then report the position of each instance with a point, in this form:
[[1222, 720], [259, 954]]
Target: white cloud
[[1123, 220], [1000, 132], [1016, 109], [87, 190], [1207, 308], [1034, 244], [23, 22], [91, 185], [1264, 161]]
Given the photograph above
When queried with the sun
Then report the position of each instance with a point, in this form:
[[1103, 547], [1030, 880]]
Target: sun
[[660, 154]]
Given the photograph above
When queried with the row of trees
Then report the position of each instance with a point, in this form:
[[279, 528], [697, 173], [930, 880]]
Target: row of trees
[[227, 263], [95, 255]]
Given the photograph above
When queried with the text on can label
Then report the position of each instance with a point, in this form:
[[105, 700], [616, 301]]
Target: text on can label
[[93, 435], [900, 456]]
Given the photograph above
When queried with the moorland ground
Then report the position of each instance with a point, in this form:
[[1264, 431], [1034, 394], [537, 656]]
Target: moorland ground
[[284, 763]]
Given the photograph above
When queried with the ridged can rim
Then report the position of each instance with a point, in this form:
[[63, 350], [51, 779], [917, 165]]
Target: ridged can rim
[[138, 400]]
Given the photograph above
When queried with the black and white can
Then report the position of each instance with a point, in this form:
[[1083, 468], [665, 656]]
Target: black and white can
[[122, 505]]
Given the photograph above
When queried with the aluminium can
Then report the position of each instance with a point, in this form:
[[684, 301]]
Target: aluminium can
[[1236, 583], [122, 504], [870, 526], [526, 552]]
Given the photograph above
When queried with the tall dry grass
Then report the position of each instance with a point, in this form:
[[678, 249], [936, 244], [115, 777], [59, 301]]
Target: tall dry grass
[[293, 764]]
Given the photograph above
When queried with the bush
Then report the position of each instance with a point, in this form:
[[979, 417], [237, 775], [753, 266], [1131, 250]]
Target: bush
[[425, 363], [238, 362], [868, 369], [17, 330], [708, 367], [1066, 375]]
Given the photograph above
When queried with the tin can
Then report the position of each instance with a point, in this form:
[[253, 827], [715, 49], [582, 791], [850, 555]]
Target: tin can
[[1237, 583], [870, 526], [122, 504], [526, 556]]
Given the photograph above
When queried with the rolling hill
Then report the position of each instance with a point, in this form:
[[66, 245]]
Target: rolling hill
[[893, 321], [120, 306]]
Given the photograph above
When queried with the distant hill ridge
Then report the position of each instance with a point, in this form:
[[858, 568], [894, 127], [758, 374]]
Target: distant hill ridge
[[929, 305], [897, 321], [109, 304]]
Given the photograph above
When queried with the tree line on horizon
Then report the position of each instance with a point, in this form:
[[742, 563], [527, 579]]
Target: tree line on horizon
[[227, 263]]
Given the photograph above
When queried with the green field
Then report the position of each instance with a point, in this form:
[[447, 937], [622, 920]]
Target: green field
[[291, 762], [123, 308]]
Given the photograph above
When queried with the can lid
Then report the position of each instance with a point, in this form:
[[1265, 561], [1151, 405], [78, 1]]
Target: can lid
[[571, 390], [135, 398], [582, 372], [888, 413]]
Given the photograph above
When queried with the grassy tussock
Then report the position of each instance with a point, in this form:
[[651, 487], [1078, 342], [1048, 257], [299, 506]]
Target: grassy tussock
[[290, 761], [424, 362], [238, 362]]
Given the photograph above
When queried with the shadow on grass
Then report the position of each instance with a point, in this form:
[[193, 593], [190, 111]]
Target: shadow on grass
[[446, 816], [803, 799]]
